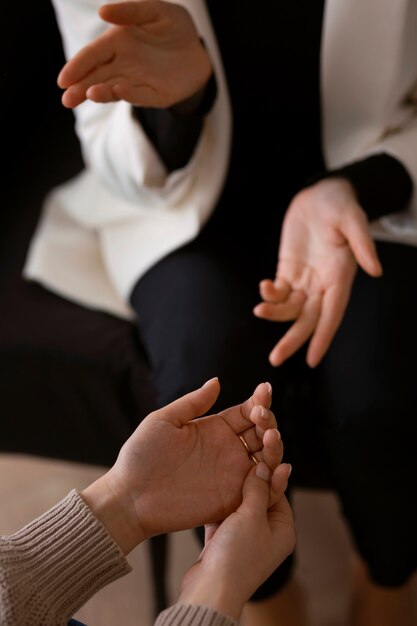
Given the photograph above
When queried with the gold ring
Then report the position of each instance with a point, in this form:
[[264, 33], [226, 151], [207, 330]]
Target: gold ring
[[254, 459], [242, 439]]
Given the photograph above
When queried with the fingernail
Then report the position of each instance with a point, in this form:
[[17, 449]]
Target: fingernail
[[208, 382], [269, 388], [289, 469], [263, 471], [258, 411], [278, 434]]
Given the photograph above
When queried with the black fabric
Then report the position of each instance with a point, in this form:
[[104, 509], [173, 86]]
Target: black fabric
[[382, 184], [368, 400], [164, 130], [175, 135], [195, 306], [73, 382], [356, 410], [259, 63]]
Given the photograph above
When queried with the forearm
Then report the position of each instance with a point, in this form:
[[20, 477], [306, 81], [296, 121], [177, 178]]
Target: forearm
[[216, 591], [56, 563]]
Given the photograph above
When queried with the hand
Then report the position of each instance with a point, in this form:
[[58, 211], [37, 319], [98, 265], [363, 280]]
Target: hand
[[242, 551], [175, 472], [153, 57], [324, 236]]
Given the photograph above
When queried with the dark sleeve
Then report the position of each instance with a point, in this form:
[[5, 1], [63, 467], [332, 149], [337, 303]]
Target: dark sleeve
[[382, 184], [174, 132]]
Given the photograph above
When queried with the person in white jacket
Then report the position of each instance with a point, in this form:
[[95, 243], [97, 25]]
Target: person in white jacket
[[177, 217]]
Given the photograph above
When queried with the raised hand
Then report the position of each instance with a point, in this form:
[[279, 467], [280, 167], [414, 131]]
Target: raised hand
[[151, 57], [175, 472], [242, 551], [325, 237]]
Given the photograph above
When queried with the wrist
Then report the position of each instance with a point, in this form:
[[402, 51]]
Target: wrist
[[192, 104], [215, 592], [115, 511]]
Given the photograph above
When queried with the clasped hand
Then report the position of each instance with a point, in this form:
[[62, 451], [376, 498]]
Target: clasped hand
[[176, 472]]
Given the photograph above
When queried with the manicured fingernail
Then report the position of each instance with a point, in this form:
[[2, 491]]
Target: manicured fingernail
[[263, 471], [269, 387], [208, 382]]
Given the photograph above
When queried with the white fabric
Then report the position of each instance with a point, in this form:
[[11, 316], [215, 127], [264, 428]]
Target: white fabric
[[103, 230]]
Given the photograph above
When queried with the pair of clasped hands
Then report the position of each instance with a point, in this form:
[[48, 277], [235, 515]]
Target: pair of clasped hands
[[152, 56], [176, 472]]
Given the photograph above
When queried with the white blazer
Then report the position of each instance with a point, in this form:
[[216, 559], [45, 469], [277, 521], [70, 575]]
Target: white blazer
[[102, 230]]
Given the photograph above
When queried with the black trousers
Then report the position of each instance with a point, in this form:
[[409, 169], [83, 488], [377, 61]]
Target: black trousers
[[195, 319]]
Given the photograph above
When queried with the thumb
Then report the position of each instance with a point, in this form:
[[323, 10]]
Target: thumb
[[255, 489], [279, 483], [356, 230], [191, 405], [130, 13]]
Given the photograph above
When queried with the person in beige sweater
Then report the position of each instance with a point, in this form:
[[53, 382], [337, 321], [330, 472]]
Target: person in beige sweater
[[174, 472]]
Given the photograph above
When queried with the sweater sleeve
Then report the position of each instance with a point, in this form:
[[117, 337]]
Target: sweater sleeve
[[51, 567], [382, 184], [193, 615]]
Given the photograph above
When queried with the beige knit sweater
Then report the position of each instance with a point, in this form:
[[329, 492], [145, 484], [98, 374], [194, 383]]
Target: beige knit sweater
[[50, 568]]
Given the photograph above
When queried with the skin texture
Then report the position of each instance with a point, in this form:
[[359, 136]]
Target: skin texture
[[242, 551], [140, 59], [175, 472], [325, 237]]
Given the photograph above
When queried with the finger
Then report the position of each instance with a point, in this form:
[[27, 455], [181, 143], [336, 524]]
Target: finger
[[77, 93], [238, 417], [209, 531], [279, 483], [256, 489], [273, 449], [281, 522], [299, 332], [94, 55], [115, 89], [73, 97], [262, 396], [128, 13], [356, 230], [333, 307], [263, 419], [102, 93], [282, 312], [277, 291], [140, 95], [189, 406], [254, 436], [252, 441]]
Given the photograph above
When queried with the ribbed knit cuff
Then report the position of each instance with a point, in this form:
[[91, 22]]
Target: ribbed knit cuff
[[57, 562], [193, 615]]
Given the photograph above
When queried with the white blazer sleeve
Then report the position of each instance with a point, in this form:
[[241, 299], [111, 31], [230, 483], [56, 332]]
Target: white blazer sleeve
[[115, 147], [369, 81]]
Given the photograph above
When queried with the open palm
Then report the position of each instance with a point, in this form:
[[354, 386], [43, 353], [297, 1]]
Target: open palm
[[325, 236], [179, 472], [151, 57]]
